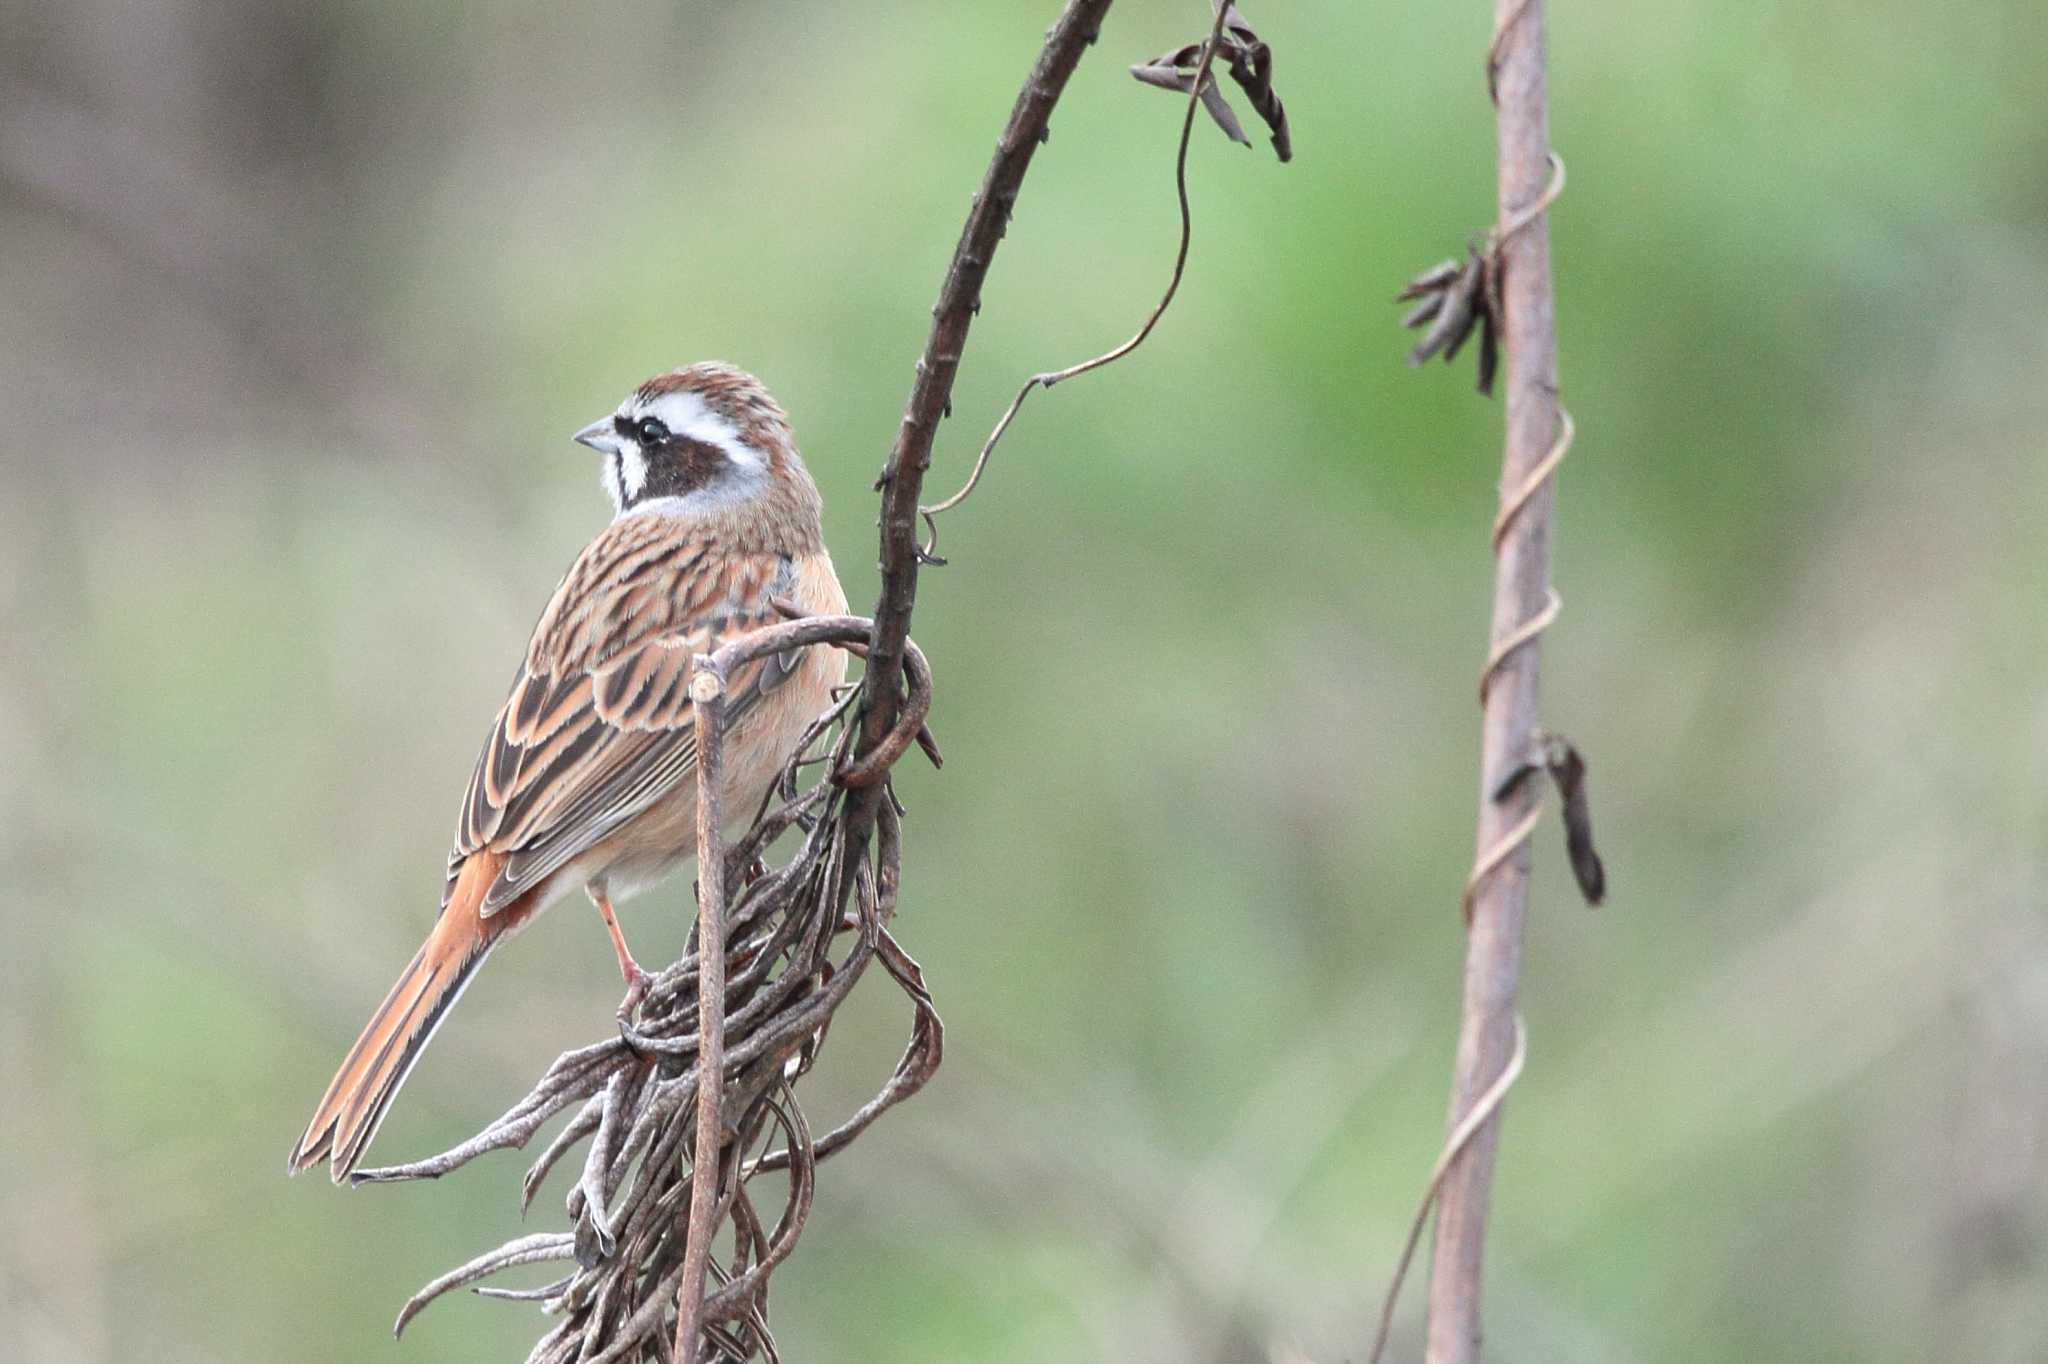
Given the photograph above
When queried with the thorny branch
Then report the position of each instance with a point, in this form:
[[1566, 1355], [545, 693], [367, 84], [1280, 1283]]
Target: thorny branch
[[902, 478]]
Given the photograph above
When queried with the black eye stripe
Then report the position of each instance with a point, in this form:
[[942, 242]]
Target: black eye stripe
[[646, 431], [671, 464]]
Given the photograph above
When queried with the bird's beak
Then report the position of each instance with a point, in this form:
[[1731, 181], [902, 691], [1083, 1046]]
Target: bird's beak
[[600, 436]]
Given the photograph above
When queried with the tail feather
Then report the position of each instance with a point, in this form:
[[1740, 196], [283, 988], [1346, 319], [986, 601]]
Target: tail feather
[[397, 1034]]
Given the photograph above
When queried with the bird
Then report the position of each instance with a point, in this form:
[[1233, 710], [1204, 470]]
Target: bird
[[587, 781]]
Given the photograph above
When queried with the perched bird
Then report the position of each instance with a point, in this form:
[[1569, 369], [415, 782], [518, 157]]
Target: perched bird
[[588, 779]]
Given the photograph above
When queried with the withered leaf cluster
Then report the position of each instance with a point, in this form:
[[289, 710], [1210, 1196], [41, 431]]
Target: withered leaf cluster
[[1458, 298], [1249, 60]]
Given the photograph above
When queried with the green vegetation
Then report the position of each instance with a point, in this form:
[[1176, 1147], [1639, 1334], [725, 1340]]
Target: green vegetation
[[1187, 890]]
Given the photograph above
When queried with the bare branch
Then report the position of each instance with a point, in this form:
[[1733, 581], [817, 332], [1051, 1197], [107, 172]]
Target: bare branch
[[1200, 87], [902, 479]]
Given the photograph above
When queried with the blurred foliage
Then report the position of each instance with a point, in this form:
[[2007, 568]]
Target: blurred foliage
[[299, 302]]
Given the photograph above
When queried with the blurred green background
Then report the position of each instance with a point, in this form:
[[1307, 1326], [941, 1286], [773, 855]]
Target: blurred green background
[[299, 302]]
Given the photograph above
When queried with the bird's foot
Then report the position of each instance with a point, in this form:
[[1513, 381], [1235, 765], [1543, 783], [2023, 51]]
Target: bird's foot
[[637, 981]]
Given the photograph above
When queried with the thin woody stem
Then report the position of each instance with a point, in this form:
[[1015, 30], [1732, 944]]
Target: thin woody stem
[[1522, 595], [707, 697]]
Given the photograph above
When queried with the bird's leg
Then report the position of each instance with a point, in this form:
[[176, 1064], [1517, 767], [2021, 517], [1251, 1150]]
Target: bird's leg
[[637, 979]]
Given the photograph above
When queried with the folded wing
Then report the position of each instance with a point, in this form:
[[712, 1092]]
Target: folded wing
[[598, 725]]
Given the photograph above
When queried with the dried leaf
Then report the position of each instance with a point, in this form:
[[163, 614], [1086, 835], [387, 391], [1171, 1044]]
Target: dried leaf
[[1568, 770], [1557, 755]]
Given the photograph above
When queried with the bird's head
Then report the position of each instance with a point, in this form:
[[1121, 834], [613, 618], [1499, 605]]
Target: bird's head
[[707, 442]]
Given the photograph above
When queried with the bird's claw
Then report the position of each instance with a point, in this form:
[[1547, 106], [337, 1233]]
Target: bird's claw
[[637, 982]]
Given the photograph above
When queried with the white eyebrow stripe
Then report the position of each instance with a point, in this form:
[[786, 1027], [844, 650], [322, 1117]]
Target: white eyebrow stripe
[[685, 414]]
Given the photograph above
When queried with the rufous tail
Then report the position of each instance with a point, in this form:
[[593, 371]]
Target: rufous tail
[[396, 1035]]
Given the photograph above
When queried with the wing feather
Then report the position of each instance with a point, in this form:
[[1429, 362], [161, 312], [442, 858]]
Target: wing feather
[[597, 727]]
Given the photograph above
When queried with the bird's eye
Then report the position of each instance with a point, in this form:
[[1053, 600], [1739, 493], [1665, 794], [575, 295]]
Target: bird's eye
[[652, 432]]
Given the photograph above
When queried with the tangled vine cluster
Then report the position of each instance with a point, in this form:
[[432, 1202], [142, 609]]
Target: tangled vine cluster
[[797, 938]]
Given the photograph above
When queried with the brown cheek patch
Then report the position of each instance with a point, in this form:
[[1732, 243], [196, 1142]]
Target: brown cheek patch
[[681, 466]]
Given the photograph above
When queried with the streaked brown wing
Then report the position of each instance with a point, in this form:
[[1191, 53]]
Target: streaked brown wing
[[598, 725]]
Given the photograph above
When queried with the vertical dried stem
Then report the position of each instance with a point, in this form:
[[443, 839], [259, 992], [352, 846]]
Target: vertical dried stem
[[1499, 902], [707, 696]]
